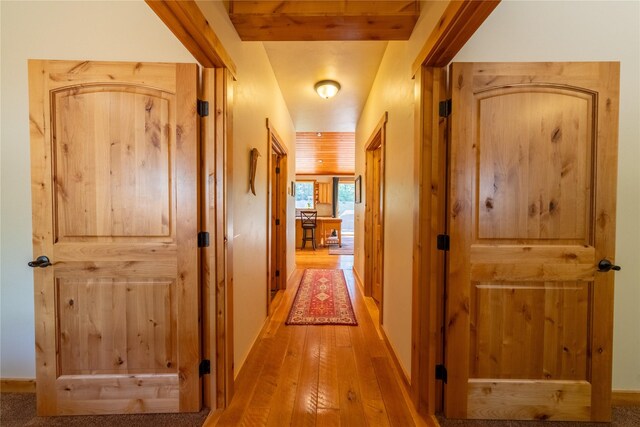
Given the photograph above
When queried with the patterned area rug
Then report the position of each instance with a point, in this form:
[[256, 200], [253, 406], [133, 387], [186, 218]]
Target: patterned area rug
[[346, 249], [322, 299]]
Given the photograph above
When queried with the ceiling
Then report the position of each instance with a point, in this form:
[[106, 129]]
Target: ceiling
[[282, 20], [325, 153], [313, 40], [299, 65]]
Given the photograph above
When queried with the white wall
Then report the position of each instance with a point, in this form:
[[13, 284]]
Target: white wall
[[393, 91], [257, 96], [588, 31], [114, 31]]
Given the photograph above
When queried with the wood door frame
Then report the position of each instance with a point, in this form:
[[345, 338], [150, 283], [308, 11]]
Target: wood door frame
[[217, 219], [187, 22], [376, 140], [431, 162], [276, 146], [459, 21]]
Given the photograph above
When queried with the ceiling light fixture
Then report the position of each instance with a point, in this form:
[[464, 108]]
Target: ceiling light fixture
[[327, 88]]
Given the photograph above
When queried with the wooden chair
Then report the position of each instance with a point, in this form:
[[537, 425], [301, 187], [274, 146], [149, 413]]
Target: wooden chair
[[309, 222]]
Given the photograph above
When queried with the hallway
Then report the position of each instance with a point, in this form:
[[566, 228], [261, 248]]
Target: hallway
[[319, 375]]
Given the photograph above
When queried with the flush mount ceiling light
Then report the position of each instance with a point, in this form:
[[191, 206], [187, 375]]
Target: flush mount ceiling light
[[327, 88]]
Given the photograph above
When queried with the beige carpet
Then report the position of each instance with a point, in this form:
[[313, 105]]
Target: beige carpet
[[19, 409], [622, 417]]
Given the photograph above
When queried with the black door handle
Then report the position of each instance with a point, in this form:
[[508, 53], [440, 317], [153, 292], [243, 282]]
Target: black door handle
[[42, 262], [605, 265]]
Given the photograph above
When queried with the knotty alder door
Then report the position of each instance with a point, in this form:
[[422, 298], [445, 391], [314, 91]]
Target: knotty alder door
[[531, 212], [114, 189]]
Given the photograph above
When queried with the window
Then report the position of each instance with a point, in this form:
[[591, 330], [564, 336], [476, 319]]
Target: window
[[305, 195], [346, 198]]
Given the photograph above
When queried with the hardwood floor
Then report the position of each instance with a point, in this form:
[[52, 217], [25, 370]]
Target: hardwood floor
[[319, 375]]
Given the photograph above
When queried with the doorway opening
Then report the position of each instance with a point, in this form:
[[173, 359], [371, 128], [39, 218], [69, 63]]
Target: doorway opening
[[374, 214], [276, 217]]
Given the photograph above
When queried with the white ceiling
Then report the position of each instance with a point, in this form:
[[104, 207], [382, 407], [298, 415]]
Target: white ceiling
[[299, 65]]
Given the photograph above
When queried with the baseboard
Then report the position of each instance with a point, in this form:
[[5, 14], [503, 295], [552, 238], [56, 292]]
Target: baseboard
[[625, 398], [359, 281], [401, 372], [17, 385]]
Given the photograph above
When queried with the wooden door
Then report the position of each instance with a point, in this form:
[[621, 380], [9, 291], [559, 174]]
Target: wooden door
[[277, 186], [114, 187], [531, 214], [377, 225], [275, 223]]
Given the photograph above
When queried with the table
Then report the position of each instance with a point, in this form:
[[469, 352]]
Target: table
[[324, 225]]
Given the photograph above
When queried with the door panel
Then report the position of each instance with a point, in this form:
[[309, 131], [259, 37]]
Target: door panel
[[114, 169], [532, 204]]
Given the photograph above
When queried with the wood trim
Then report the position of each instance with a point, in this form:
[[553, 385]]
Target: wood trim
[[186, 21], [213, 258], [359, 280], [18, 385], [625, 397], [430, 219], [217, 286], [419, 418], [379, 127], [406, 382], [187, 196], [456, 26]]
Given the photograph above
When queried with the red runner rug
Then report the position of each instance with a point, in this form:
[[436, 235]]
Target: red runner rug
[[322, 299]]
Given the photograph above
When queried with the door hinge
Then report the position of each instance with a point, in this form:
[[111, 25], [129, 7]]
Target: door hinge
[[443, 242], [203, 239], [277, 273], [277, 170], [205, 367], [445, 108], [203, 108], [441, 373], [277, 222]]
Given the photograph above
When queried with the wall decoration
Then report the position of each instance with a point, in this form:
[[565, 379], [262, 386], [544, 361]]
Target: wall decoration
[[254, 165], [358, 190]]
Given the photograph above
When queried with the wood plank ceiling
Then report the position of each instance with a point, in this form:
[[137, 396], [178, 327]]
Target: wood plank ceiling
[[331, 153], [324, 20]]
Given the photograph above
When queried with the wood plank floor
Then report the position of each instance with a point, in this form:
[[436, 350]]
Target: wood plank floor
[[319, 375]]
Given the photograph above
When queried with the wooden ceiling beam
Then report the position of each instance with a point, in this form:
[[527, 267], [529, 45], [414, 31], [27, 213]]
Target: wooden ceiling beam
[[314, 20], [186, 21], [456, 26]]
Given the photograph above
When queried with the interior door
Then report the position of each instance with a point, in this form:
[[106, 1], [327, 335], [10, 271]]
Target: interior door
[[377, 225], [531, 214], [114, 187], [275, 234]]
